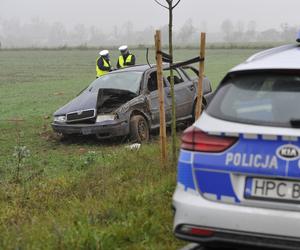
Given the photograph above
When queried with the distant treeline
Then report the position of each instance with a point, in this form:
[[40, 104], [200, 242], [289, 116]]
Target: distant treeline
[[40, 34], [224, 45]]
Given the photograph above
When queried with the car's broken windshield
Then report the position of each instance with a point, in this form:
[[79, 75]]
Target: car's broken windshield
[[129, 81]]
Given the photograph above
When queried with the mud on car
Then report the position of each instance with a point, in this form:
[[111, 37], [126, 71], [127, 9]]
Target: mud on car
[[125, 102]]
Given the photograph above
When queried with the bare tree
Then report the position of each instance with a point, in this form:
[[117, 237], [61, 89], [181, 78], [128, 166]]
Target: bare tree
[[57, 35], [186, 31], [227, 29], [128, 30], [250, 33], [170, 5], [288, 32]]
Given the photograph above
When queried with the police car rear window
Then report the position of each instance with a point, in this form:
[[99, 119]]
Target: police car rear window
[[261, 98]]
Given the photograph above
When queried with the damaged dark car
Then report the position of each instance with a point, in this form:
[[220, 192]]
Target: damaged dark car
[[125, 103]]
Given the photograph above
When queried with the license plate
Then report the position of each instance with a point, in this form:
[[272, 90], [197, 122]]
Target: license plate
[[86, 131], [270, 189]]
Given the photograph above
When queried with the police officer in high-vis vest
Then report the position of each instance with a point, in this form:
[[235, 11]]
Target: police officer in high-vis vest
[[126, 58], [103, 65]]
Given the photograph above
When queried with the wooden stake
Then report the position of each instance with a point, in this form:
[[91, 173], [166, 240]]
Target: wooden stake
[[160, 87], [201, 75]]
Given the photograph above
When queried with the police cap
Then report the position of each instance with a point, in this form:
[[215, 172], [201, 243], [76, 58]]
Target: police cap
[[104, 52]]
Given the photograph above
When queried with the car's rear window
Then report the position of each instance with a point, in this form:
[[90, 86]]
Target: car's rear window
[[262, 98]]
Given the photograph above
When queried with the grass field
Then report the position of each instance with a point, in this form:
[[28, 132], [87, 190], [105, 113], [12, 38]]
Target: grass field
[[81, 193]]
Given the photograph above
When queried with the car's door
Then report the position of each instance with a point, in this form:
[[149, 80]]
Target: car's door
[[184, 93], [154, 99], [193, 74]]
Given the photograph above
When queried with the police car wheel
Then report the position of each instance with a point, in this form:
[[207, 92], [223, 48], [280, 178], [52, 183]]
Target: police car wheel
[[139, 129]]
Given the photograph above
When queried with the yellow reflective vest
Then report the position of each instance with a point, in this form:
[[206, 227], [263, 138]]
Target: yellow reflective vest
[[100, 72], [121, 60]]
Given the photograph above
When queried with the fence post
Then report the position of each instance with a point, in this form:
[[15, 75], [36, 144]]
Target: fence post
[[201, 75], [160, 86]]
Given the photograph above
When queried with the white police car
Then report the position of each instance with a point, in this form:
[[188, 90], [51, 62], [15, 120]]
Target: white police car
[[239, 165]]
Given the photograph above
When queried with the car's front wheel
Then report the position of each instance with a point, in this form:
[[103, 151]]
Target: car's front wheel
[[139, 129]]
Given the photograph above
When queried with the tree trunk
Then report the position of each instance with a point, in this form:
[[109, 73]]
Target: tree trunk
[[173, 126]]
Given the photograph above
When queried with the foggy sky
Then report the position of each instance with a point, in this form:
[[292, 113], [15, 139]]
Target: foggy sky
[[105, 14]]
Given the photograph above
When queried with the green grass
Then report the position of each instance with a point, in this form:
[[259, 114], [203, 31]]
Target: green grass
[[66, 196]]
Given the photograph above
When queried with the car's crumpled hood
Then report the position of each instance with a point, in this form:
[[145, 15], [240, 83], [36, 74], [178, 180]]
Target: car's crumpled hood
[[92, 100], [86, 100]]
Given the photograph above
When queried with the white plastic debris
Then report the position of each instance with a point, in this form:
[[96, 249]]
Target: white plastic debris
[[134, 146]]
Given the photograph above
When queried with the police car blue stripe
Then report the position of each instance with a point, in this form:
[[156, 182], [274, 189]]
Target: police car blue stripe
[[210, 172], [246, 156], [185, 171], [215, 183], [185, 156]]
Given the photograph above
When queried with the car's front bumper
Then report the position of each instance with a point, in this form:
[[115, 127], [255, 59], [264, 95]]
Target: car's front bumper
[[102, 130], [235, 224]]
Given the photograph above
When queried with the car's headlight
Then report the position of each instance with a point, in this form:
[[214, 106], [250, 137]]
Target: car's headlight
[[102, 118], [60, 118]]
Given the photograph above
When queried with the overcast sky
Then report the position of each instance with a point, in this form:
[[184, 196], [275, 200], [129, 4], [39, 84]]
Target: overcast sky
[[105, 14]]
